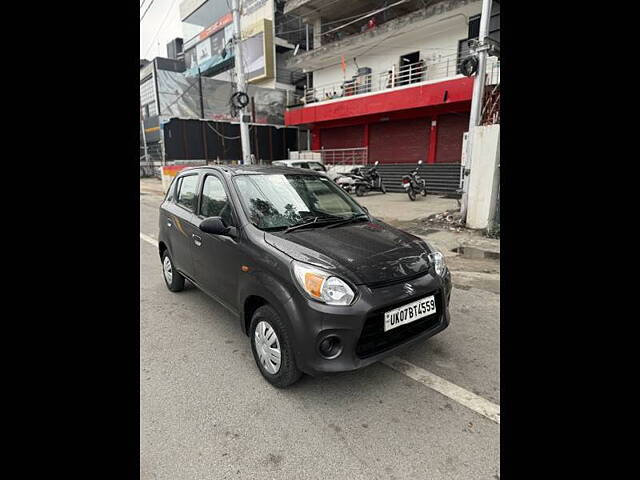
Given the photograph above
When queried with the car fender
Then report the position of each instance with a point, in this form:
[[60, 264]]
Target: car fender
[[265, 285]]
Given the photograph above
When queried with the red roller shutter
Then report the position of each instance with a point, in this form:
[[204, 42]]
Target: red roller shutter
[[342, 137], [402, 141], [451, 128]]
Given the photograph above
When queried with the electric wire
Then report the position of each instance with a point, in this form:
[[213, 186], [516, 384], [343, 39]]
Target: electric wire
[[145, 12], [160, 27]]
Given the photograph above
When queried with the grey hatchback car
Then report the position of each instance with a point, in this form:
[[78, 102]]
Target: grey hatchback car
[[315, 281]]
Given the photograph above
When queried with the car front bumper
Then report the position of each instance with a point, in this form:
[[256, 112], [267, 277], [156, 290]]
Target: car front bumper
[[360, 326]]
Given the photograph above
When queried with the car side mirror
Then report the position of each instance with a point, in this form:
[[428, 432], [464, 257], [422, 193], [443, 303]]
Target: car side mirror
[[214, 226]]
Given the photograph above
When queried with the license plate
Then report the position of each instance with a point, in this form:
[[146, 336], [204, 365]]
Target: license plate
[[409, 313]]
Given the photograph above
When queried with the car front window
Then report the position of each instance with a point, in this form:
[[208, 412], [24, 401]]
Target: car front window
[[279, 201]]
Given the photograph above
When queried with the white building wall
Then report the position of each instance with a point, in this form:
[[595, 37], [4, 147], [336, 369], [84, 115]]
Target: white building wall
[[436, 40]]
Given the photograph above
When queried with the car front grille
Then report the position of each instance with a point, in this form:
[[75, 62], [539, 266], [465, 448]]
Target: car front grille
[[395, 281], [373, 339]]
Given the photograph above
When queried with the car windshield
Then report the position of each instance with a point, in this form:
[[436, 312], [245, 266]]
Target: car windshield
[[280, 201]]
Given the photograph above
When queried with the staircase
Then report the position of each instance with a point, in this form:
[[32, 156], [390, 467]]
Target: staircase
[[440, 177]]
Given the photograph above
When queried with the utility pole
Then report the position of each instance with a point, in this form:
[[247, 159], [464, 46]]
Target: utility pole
[[241, 84], [476, 101], [200, 91], [144, 139]]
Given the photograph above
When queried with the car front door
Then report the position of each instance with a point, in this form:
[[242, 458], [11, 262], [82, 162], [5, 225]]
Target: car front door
[[180, 217], [218, 258]]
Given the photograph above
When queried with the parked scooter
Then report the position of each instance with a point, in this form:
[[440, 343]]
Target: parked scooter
[[368, 180], [412, 183], [346, 180]]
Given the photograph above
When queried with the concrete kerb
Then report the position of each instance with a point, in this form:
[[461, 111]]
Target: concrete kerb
[[466, 245]]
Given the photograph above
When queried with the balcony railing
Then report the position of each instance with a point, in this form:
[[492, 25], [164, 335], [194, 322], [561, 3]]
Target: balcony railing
[[396, 76], [343, 156]]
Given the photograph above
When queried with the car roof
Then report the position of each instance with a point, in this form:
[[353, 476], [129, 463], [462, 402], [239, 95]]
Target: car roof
[[301, 160], [234, 170]]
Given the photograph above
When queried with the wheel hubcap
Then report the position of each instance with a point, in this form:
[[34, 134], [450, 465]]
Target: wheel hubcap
[[168, 271], [268, 347]]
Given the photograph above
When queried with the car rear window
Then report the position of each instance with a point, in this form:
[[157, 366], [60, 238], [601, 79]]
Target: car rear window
[[187, 191]]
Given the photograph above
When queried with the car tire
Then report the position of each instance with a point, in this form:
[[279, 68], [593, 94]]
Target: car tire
[[412, 194], [287, 372], [360, 191], [172, 278]]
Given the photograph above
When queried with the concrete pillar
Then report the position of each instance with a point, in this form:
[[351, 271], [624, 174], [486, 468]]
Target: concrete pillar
[[484, 179], [317, 29]]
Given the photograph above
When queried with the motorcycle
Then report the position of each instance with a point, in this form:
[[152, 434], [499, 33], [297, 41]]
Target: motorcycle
[[368, 180], [412, 183]]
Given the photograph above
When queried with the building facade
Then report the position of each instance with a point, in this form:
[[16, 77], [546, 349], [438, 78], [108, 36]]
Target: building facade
[[385, 76], [266, 41]]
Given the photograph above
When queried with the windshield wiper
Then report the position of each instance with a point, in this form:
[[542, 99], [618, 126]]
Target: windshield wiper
[[360, 216], [316, 220]]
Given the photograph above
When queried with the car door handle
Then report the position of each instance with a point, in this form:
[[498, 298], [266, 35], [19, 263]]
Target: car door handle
[[197, 240]]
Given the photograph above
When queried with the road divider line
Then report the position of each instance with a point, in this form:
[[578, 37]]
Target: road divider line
[[454, 392], [148, 239]]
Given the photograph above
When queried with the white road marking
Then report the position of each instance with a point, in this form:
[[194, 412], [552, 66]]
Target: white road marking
[[454, 392], [148, 239], [440, 385]]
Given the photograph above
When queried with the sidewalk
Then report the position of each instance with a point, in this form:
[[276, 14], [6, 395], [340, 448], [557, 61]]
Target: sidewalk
[[397, 210], [151, 186]]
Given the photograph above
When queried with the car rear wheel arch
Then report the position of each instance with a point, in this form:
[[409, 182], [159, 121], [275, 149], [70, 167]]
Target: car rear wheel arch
[[161, 248]]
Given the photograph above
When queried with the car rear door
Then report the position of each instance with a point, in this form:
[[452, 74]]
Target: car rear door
[[218, 258], [179, 217]]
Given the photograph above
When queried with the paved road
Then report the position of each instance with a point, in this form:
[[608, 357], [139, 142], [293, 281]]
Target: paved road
[[206, 412]]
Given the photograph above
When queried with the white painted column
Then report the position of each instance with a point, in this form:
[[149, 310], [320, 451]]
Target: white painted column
[[485, 181]]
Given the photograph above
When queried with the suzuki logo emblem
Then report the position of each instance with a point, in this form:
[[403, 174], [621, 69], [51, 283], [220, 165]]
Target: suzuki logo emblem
[[408, 289]]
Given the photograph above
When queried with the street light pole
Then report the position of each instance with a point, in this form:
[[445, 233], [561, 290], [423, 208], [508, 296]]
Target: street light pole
[[241, 84], [476, 101]]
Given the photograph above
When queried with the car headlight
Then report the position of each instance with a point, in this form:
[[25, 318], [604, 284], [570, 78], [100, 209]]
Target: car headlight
[[437, 259], [322, 286]]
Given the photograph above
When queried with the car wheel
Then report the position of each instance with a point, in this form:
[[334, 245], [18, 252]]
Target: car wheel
[[412, 194], [173, 279], [360, 191], [272, 349]]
